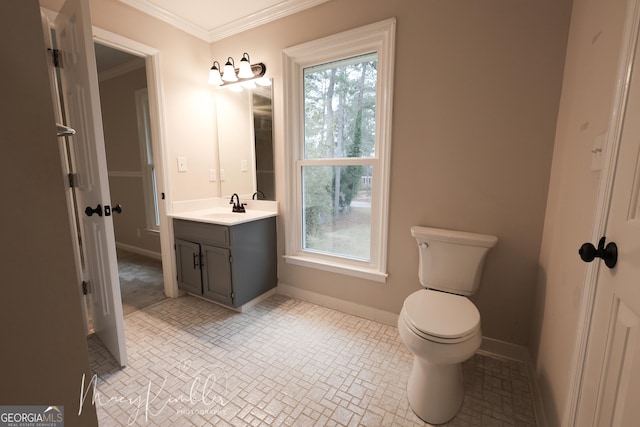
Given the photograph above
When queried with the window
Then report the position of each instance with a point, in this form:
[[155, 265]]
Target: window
[[150, 188], [339, 103]]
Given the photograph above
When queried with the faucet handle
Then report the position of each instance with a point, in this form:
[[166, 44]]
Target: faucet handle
[[239, 208]]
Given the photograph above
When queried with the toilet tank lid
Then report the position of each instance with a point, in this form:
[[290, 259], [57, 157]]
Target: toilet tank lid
[[453, 236]]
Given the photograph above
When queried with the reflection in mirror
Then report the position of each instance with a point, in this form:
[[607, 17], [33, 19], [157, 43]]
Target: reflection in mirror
[[245, 142]]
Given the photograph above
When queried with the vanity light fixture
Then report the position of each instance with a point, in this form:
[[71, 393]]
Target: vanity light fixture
[[247, 75]]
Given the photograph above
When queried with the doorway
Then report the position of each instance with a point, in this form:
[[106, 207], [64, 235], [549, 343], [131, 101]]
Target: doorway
[[132, 176], [151, 58]]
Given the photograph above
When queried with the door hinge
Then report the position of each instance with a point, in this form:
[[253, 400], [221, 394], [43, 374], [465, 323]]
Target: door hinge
[[55, 57], [85, 287], [233, 295], [73, 180], [230, 259]]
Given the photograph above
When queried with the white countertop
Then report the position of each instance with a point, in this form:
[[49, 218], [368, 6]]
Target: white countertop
[[219, 211]]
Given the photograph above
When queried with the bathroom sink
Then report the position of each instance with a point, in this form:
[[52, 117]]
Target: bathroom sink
[[224, 216]]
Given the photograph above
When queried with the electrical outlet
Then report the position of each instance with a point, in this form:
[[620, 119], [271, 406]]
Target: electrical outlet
[[212, 175]]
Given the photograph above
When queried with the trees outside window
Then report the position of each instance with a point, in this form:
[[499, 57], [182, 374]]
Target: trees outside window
[[339, 124]]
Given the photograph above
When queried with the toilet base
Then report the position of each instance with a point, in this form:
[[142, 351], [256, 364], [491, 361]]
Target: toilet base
[[435, 392]]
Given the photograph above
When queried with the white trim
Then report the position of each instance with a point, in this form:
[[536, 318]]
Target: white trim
[[139, 251], [210, 35], [377, 37], [145, 144], [125, 174], [490, 346], [342, 306], [504, 349], [341, 268], [156, 112], [623, 81], [519, 353]]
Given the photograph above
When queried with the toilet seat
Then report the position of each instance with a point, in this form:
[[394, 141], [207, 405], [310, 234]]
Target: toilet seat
[[440, 316]]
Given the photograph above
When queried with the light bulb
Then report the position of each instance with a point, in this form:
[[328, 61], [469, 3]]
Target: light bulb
[[229, 74], [214, 74], [244, 71]]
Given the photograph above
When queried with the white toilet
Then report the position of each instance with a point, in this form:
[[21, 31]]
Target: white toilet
[[439, 324]]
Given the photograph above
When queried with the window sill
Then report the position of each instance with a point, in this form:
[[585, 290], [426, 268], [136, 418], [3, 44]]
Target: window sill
[[348, 270]]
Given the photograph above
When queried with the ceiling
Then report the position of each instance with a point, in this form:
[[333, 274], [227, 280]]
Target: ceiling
[[212, 20]]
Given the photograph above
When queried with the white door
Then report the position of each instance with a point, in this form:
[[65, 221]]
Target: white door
[[82, 107], [610, 391]]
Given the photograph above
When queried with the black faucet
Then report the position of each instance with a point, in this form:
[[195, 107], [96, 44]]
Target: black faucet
[[237, 207], [257, 195]]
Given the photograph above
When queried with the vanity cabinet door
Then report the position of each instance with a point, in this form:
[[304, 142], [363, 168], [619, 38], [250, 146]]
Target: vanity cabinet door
[[216, 274], [188, 266]]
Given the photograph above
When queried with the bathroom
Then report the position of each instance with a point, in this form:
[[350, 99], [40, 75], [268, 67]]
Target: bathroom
[[482, 141]]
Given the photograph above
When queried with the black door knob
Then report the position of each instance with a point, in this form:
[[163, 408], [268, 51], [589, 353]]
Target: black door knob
[[117, 208], [90, 211], [608, 253]]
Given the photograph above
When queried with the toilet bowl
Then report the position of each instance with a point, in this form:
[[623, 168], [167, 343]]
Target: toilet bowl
[[435, 388], [438, 324]]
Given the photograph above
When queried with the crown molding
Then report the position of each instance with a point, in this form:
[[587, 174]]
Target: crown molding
[[168, 17], [261, 17]]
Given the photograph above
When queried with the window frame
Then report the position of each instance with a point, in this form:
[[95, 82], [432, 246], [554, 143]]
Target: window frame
[[147, 163], [377, 37]]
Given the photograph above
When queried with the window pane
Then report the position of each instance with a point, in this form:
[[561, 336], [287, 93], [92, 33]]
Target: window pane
[[337, 222], [340, 108]]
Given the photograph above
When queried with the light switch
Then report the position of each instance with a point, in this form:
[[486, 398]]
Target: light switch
[[182, 164], [597, 151], [221, 175], [243, 166]]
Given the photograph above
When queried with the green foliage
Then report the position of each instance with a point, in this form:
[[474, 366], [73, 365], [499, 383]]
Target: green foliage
[[339, 122]]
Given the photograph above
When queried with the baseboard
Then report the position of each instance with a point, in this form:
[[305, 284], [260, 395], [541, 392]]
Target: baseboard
[[536, 396], [504, 349], [337, 304], [140, 251], [490, 346], [518, 353]]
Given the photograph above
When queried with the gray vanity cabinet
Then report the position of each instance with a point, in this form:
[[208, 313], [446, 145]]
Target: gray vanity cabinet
[[230, 265]]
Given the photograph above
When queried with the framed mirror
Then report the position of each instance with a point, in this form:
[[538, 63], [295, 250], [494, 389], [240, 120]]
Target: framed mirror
[[245, 142]]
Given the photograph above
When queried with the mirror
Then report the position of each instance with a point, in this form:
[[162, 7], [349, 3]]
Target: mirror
[[245, 142]]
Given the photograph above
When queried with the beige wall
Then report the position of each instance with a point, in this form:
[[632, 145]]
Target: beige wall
[[587, 95], [476, 97], [44, 350], [120, 121]]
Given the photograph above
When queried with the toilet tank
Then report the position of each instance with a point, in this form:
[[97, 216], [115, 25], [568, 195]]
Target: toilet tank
[[450, 260]]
